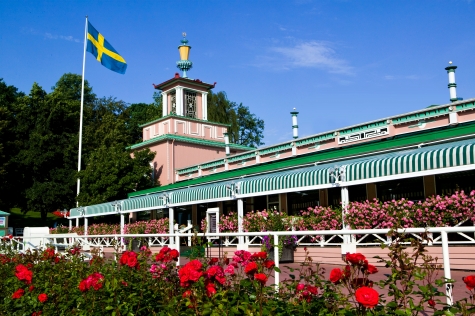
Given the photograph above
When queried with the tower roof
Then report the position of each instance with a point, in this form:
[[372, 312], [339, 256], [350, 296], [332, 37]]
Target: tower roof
[[186, 81]]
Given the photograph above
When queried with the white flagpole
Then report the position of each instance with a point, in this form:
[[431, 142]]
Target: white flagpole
[[82, 106]]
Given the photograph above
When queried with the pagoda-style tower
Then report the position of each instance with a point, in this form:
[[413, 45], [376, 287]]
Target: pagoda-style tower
[[184, 136]]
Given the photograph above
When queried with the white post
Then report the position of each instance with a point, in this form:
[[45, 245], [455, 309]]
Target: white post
[[295, 126], [171, 225], [122, 226], [179, 101], [240, 213], [80, 114], [85, 226], [204, 105], [276, 260], [347, 245], [164, 104], [70, 224], [446, 261], [77, 221], [226, 143], [452, 84]]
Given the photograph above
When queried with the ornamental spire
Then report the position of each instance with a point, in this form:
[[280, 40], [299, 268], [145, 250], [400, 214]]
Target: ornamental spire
[[184, 64]]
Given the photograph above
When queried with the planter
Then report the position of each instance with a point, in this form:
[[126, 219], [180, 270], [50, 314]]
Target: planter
[[287, 255], [135, 245]]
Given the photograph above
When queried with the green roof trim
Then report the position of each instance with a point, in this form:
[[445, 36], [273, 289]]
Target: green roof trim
[[333, 153], [187, 139], [187, 170], [4, 213], [242, 157], [183, 117], [313, 140], [466, 106], [212, 164], [363, 127], [420, 116], [274, 149]]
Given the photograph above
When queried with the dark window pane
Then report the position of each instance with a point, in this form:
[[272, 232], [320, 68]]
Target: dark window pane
[[411, 189], [297, 201], [447, 184]]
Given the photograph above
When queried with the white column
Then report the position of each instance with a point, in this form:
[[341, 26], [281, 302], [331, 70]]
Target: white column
[[122, 225], [240, 211], [85, 226], [452, 85], [70, 224], [295, 126], [171, 219], [164, 104], [226, 143], [77, 221], [204, 105], [179, 100], [347, 245]]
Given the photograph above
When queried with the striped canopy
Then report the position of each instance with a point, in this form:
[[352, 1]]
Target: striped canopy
[[216, 192], [455, 154], [142, 203], [302, 177]]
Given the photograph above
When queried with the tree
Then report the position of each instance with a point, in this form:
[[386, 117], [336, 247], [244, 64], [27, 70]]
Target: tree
[[141, 113], [245, 128], [111, 173], [9, 180], [251, 128]]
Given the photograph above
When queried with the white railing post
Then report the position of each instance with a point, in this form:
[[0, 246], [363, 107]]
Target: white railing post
[[85, 226], [276, 260], [122, 226], [240, 213], [177, 246], [171, 225], [447, 275]]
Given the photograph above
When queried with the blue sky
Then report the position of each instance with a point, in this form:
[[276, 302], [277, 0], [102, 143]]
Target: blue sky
[[338, 62]]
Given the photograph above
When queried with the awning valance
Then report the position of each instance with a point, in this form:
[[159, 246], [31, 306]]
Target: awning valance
[[435, 157], [215, 192], [294, 179], [142, 203]]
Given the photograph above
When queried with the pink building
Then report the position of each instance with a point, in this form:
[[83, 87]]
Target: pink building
[[183, 136]]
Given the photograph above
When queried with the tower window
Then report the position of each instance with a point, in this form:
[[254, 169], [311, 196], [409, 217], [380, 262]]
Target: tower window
[[190, 104]]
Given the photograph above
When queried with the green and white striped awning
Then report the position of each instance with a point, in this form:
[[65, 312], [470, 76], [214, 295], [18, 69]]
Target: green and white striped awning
[[215, 192], [143, 203], [295, 179], [100, 209], [435, 157]]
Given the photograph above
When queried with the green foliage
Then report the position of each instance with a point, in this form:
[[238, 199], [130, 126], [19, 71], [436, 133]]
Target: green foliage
[[141, 113]]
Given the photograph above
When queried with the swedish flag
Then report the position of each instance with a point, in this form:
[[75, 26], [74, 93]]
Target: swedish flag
[[103, 51]]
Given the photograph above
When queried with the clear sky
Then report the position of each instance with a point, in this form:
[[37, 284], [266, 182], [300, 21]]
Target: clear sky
[[338, 62]]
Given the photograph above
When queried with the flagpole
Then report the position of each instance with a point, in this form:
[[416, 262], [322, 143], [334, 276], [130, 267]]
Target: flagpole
[[82, 107]]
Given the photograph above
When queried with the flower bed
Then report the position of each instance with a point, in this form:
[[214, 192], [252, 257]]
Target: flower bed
[[154, 226], [137, 283]]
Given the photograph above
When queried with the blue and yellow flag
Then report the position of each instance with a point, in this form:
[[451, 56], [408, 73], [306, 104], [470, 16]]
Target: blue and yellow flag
[[103, 51]]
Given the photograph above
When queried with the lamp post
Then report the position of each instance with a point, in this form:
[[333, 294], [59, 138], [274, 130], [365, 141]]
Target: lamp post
[[184, 64]]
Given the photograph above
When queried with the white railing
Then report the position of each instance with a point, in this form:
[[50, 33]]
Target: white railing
[[349, 241]]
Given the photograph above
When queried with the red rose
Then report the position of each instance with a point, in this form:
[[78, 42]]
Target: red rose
[[213, 261], [469, 281], [210, 289], [37, 313], [336, 275], [23, 274], [259, 255], [31, 288], [18, 293], [186, 294], [371, 269], [42, 297], [355, 258], [300, 287], [312, 289], [269, 264], [124, 283], [261, 277], [431, 302], [132, 262], [83, 286], [124, 258], [367, 297], [250, 268]]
